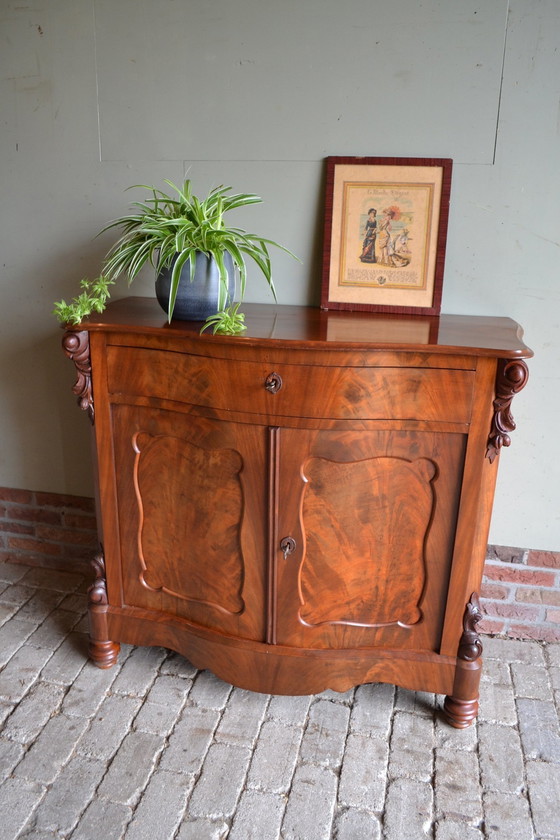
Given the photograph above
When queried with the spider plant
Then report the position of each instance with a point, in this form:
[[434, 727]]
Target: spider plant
[[167, 230]]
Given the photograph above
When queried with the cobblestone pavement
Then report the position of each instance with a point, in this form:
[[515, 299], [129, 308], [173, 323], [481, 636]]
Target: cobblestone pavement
[[153, 749]]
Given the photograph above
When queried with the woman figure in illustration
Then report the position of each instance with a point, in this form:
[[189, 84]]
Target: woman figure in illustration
[[385, 244], [368, 246]]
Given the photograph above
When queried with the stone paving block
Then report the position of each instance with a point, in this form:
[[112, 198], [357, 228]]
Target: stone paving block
[[497, 704], [325, 735], [12, 635], [258, 816], [16, 594], [68, 798], [554, 674], [156, 718], [344, 697], [161, 808], [274, 758], [501, 759], [373, 709], [538, 724], [289, 709], [364, 773], [67, 661], [54, 629], [75, 602], [496, 671], [170, 690], [109, 726], [449, 830], [12, 572], [103, 819], [11, 754], [203, 830], [40, 605], [408, 810], [131, 767], [190, 740], [209, 691], [415, 702], [458, 793], [543, 783], [52, 579], [507, 817], [176, 665], [455, 739], [357, 825], [21, 672], [412, 745], [139, 671], [310, 809], [31, 715], [52, 749], [6, 710], [219, 786], [243, 717], [6, 612], [88, 691], [552, 652], [531, 681], [511, 650], [18, 800]]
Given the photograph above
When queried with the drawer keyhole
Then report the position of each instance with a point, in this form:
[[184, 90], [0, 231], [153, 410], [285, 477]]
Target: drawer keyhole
[[273, 383], [288, 546]]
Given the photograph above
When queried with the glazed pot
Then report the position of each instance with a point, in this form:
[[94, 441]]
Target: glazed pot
[[197, 300]]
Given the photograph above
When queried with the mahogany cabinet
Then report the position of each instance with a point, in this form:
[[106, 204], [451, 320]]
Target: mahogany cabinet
[[303, 507]]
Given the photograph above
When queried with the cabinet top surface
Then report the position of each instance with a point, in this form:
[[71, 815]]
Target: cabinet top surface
[[313, 327]]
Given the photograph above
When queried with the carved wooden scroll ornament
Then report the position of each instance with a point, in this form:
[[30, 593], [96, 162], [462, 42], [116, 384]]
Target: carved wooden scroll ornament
[[470, 646], [97, 592], [76, 346], [511, 378]]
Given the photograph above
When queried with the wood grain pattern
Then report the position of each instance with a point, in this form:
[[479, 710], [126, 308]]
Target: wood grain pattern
[[325, 530]]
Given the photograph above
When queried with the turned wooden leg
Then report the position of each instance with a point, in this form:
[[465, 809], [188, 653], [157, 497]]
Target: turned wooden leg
[[102, 651], [103, 654], [461, 707]]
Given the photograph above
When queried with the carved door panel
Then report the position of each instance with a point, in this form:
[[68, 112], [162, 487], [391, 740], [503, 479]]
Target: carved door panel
[[373, 516], [191, 495]]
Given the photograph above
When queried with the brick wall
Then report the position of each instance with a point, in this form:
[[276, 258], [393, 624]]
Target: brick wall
[[47, 529], [520, 593]]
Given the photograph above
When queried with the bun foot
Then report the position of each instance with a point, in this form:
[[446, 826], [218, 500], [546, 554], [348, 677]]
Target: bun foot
[[103, 654], [460, 713]]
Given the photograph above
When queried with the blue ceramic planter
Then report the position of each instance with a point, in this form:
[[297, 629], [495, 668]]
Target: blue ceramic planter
[[197, 300]]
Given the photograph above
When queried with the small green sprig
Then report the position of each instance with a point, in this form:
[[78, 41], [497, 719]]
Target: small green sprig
[[228, 321], [92, 299]]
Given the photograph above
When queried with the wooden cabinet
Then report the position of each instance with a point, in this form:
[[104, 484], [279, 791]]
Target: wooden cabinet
[[304, 507]]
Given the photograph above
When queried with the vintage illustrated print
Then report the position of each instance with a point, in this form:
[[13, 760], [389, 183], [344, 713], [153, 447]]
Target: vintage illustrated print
[[385, 230]]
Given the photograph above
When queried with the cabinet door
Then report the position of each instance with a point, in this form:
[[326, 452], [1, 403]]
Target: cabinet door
[[191, 504], [373, 517]]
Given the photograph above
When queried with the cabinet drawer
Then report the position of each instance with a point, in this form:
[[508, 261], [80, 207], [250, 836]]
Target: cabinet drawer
[[293, 390]]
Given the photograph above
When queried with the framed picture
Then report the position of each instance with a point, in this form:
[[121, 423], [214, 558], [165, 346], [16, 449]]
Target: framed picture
[[385, 234]]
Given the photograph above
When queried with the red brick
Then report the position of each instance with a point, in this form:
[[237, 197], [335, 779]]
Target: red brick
[[517, 611], [34, 546], [546, 559], [33, 514], [16, 528], [66, 535], [553, 615], [11, 494], [518, 574], [2, 511], [80, 521], [494, 590], [490, 625], [61, 500], [534, 631], [538, 596]]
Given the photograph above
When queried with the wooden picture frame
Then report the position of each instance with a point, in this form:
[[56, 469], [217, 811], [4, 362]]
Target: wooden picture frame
[[385, 234]]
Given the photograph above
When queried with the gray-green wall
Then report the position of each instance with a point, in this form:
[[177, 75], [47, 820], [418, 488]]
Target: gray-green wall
[[96, 95]]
